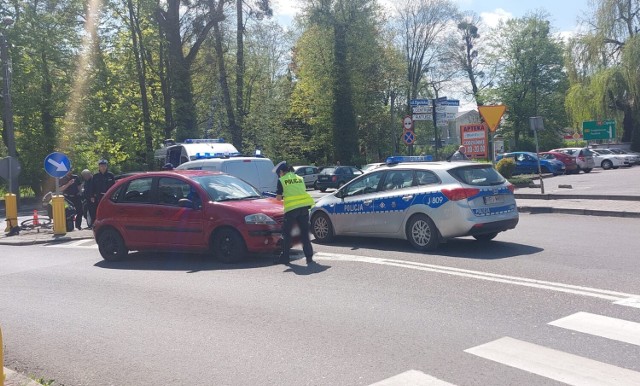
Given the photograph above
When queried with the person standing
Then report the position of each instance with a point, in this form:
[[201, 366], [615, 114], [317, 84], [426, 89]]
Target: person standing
[[70, 188], [87, 211], [100, 183], [459, 154], [297, 202]]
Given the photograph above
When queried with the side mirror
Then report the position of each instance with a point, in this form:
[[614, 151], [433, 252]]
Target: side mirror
[[185, 203], [339, 193]]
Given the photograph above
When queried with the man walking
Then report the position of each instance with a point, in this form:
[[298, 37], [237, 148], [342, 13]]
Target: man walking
[[297, 203], [459, 155], [100, 183], [70, 188]]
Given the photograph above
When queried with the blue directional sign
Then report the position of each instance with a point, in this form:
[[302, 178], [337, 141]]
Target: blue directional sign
[[420, 102], [57, 164]]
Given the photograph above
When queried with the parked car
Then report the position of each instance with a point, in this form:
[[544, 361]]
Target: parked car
[[582, 155], [190, 210], [635, 156], [425, 203], [608, 160], [372, 166], [527, 163], [629, 159], [308, 173], [570, 165], [334, 177]]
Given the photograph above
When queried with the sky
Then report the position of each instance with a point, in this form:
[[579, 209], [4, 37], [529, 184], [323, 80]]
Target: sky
[[563, 13]]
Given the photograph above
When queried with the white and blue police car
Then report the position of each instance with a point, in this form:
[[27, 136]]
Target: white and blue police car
[[421, 201]]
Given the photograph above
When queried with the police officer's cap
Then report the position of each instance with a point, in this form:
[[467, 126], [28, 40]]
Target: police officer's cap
[[281, 166], [103, 162]]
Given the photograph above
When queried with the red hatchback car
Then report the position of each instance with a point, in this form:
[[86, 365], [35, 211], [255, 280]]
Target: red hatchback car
[[187, 210], [570, 165]]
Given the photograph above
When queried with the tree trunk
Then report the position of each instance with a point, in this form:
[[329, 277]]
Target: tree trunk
[[344, 121], [166, 90], [236, 133], [239, 76]]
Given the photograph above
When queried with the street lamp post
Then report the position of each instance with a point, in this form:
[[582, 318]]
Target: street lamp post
[[8, 108]]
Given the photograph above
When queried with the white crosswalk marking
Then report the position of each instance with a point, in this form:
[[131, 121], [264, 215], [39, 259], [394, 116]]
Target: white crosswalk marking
[[412, 378], [85, 243], [604, 326], [557, 365]]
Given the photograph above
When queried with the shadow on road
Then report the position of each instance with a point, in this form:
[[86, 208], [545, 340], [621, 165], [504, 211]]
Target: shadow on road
[[304, 270], [465, 248]]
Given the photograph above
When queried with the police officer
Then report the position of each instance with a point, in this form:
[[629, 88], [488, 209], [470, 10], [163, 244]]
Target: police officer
[[70, 188], [88, 212], [100, 183], [297, 203]]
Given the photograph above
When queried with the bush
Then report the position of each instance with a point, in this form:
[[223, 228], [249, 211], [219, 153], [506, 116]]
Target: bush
[[521, 181], [506, 166]]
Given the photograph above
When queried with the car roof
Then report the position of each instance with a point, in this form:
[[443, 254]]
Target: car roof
[[169, 173], [437, 165]]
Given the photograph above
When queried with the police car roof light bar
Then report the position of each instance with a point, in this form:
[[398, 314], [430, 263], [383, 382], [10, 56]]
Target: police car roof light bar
[[204, 140], [396, 159]]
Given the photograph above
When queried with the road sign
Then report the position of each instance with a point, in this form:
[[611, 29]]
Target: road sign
[[422, 117], [449, 102], [57, 164], [407, 122], [420, 102], [492, 115], [421, 109], [408, 137], [599, 129], [9, 167]]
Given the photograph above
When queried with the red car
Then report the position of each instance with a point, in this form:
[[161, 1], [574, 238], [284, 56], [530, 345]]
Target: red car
[[569, 162], [187, 210]]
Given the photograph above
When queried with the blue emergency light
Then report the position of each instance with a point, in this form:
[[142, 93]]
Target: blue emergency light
[[209, 155], [204, 140], [396, 159]]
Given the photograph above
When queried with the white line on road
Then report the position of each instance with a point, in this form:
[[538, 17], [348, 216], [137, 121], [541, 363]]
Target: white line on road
[[84, 243], [521, 281], [412, 378], [554, 364], [604, 326]]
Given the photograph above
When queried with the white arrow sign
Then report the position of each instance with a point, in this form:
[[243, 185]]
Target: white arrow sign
[[60, 166]]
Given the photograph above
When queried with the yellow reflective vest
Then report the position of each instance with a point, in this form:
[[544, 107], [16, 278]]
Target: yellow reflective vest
[[294, 192]]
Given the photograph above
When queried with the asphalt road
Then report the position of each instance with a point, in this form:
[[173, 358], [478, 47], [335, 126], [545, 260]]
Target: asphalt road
[[371, 310]]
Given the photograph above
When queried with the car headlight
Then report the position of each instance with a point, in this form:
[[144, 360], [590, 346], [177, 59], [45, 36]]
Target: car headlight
[[259, 219]]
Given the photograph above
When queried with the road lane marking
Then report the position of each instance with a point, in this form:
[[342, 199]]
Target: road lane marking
[[603, 326], [412, 378], [617, 297], [553, 364], [84, 243], [630, 302]]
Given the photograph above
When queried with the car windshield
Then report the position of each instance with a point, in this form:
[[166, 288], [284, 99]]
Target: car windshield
[[477, 175], [227, 188], [328, 171]]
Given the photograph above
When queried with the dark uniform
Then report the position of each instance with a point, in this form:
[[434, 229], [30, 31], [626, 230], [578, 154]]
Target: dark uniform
[[100, 183], [72, 194]]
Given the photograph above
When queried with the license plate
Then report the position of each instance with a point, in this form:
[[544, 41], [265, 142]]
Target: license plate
[[493, 199]]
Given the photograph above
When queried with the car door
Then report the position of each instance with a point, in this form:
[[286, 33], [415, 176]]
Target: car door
[[177, 226], [397, 194], [134, 210], [355, 212]]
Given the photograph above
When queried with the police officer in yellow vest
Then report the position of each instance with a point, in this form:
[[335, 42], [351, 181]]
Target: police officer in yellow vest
[[297, 203]]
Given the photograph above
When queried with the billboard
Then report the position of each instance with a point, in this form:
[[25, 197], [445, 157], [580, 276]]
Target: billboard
[[474, 138]]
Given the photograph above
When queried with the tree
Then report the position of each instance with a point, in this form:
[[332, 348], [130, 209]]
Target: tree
[[532, 80]]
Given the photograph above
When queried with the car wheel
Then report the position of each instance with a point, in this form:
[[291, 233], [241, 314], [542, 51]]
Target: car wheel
[[588, 170], [323, 190], [321, 228], [111, 245], [228, 246], [486, 237], [422, 233], [544, 170], [606, 164], [315, 186]]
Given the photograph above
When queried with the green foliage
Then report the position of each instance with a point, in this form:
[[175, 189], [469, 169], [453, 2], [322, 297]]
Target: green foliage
[[520, 181], [506, 166]]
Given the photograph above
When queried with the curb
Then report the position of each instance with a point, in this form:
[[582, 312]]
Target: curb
[[4, 241], [16, 379], [586, 212], [534, 196]]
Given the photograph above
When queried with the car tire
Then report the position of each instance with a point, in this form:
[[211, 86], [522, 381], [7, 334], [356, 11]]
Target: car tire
[[588, 170], [228, 246], [422, 233], [322, 228], [486, 237], [315, 186], [111, 245], [606, 164], [323, 190]]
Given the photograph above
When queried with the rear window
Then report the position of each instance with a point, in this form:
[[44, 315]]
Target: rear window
[[586, 152], [328, 171], [477, 175]]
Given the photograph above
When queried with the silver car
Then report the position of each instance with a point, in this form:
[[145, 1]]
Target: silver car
[[308, 173], [422, 202]]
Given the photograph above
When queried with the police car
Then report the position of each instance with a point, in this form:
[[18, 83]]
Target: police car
[[421, 201]]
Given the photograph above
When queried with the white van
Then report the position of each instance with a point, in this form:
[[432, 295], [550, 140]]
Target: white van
[[255, 170], [191, 149]]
